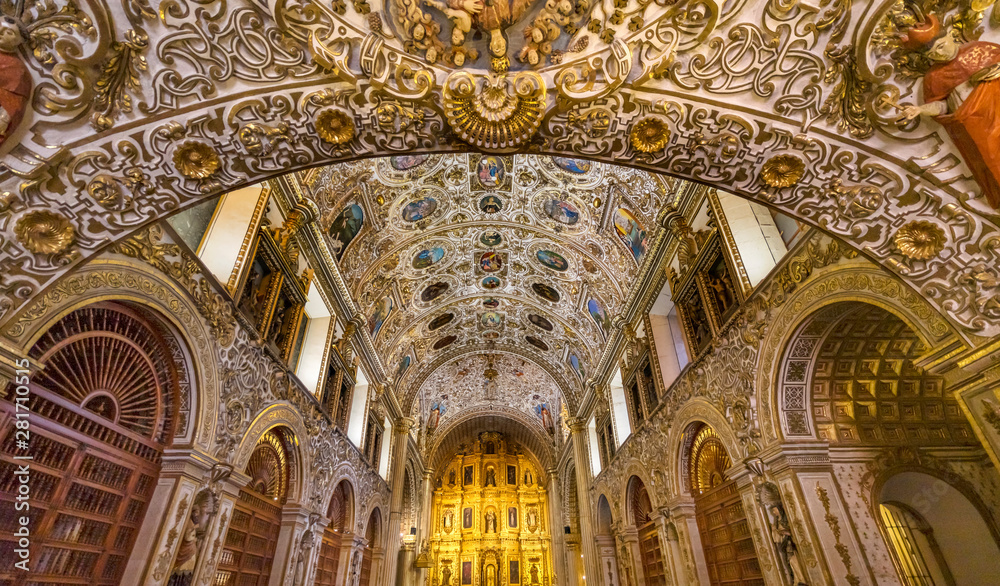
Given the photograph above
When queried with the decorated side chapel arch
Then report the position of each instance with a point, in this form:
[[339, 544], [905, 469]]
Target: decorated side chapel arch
[[825, 149], [722, 521], [333, 562], [103, 409], [640, 513], [369, 571]]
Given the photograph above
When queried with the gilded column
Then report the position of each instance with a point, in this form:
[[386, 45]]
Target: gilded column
[[401, 431], [588, 547]]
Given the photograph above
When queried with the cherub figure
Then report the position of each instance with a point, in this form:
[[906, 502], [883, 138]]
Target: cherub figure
[[15, 80]]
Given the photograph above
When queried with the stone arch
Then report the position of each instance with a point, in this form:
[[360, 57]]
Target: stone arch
[[570, 498], [171, 308], [638, 504], [849, 376], [693, 413], [285, 416], [605, 517], [341, 510], [858, 281]]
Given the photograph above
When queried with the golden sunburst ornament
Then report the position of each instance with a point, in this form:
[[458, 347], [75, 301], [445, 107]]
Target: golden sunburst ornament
[[649, 135], [920, 240], [335, 127], [782, 171], [196, 160], [44, 232]]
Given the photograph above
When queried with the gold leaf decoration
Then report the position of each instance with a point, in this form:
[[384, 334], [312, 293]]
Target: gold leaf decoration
[[196, 160], [649, 135], [920, 240], [335, 126], [782, 171], [500, 113], [119, 75], [845, 106], [44, 232]]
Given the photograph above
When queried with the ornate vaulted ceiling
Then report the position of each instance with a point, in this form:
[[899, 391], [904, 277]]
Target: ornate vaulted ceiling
[[525, 257]]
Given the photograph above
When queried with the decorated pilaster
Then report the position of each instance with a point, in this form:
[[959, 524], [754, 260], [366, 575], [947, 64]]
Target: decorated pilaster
[[588, 547], [392, 552]]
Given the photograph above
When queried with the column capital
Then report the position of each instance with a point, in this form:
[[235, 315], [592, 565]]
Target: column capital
[[576, 424], [403, 424]]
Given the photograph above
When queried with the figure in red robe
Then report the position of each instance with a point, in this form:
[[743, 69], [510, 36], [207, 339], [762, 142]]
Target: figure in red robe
[[962, 93], [15, 81]]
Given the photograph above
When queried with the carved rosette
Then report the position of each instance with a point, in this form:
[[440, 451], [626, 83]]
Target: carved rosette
[[44, 232], [495, 112]]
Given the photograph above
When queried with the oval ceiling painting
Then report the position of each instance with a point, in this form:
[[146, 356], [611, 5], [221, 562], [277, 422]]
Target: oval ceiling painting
[[440, 321], [491, 303], [434, 291], [382, 311], [553, 260], [540, 321], [441, 343], [407, 162], [562, 211], [419, 209], [491, 319], [577, 365], [575, 166], [596, 311], [537, 343], [491, 238], [403, 365], [491, 204], [491, 283], [490, 262], [545, 292], [631, 233], [345, 227], [490, 171], [427, 257]]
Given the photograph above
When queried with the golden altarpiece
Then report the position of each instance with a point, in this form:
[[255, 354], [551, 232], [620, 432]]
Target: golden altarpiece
[[489, 511]]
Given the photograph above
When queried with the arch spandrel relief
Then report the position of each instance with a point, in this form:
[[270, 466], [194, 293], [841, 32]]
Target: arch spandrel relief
[[794, 106]]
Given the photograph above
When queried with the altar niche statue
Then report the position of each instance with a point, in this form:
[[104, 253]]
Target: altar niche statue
[[491, 522], [446, 576], [491, 477], [781, 535], [15, 80], [962, 93]]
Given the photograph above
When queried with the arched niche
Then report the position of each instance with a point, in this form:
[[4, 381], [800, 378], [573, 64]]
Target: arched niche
[[369, 571], [848, 376], [104, 404], [332, 562], [935, 531], [639, 513]]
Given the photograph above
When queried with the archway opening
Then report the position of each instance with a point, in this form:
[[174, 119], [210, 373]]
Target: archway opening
[[651, 552], [248, 556], [935, 533], [373, 534], [722, 522], [606, 542], [340, 515], [103, 407]]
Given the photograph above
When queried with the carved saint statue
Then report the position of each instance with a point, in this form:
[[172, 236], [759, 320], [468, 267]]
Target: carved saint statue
[[446, 576], [15, 81], [490, 17], [781, 535], [491, 522], [962, 93], [202, 511], [491, 477]]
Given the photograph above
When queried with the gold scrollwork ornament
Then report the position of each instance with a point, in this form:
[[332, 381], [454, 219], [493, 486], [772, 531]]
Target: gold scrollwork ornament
[[919, 240], [495, 112], [196, 160], [782, 171], [649, 135], [44, 232]]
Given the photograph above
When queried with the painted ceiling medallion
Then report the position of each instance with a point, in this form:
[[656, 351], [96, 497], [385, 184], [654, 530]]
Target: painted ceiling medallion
[[419, 209], [491, 171], [427, 257], [491, 283], [494, 111], [335, 127], [433, 291], [491, 319], [562, 211], [552, 260], [491, 238], [196, 160], [575, 166], [491, 204], [491, 303], [44, 232], [546, 292], [540, 322], [491, 262], [782, 171], [649, 135], [920, 240], [537, 343], [442, 342], [440, 321], [407, 162]]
